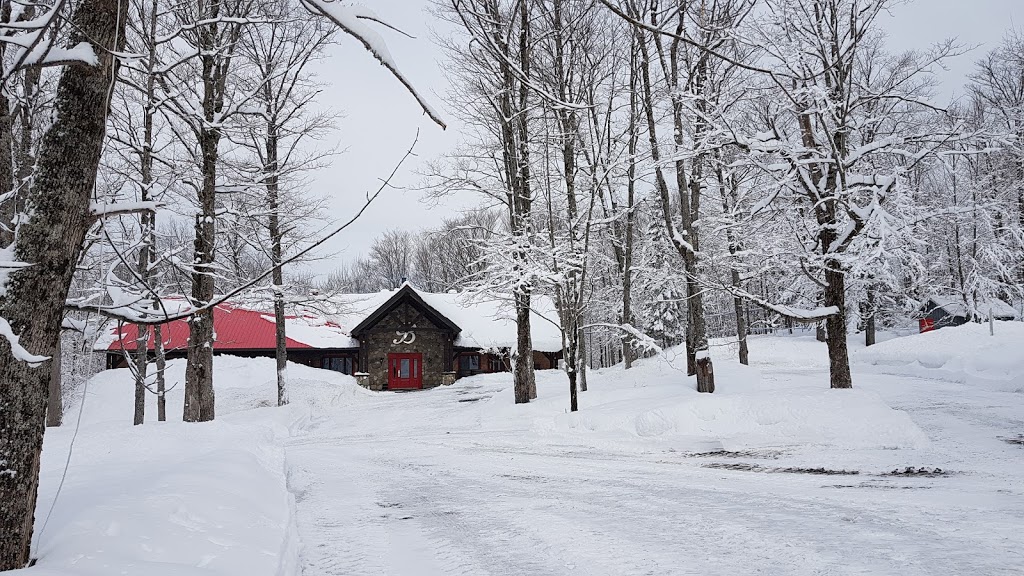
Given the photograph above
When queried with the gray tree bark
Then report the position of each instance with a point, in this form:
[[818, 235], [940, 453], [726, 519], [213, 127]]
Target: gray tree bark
[[148, 219], [523, 377], [52, 241], [141, 362], [869, 316], [582, 362], [696, 331], [628, 351], [276, 237], [161, 363], [199, 393], [55, 403]]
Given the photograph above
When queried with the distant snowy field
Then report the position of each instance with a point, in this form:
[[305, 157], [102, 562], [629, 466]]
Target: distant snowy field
[[773, 474]]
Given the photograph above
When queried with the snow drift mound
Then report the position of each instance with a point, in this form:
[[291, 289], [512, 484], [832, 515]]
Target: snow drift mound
[[176, 498], [966, 354], [849, 419], [657, 402], [240, 384]]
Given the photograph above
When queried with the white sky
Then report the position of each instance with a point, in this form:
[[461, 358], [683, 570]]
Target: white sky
[[380, 119]]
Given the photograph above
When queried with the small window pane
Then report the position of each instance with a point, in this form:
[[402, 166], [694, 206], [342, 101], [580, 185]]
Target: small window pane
[[469, 362], [404, 372], [343, 364]]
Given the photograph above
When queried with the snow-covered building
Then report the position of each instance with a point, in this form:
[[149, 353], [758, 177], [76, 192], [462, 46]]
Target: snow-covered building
[[939, 311], [390, 340]]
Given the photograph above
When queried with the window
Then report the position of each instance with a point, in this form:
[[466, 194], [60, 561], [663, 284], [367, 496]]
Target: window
[[343, 364], [497, 365], [469, 363]]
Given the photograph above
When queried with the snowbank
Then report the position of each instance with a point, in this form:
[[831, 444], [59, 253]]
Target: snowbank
[[965, 354], [176, 498], [850, 419], [655, 402], [240, 384]]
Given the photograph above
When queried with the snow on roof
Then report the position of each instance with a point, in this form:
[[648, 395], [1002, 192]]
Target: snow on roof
[[490, 323], [237, 328], [485, 323], [954, 304]]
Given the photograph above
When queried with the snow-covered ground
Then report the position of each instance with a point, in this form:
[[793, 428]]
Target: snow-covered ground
[[773, 474]]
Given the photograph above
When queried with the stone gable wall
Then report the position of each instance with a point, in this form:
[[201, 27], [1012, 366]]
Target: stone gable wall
[[434, 342]]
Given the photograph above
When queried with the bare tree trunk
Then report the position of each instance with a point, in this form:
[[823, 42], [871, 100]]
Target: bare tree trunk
[[702, 364], [572, 353], [627, 256], [729, 191], [523, 376], [55, 404], [141, 363], [161, 383], [199, 401], [148, 219], [691, 352], [281, 350], [51, 240], [869, 317], [571, 334], [741, 326], [568, 121], [25, 161], [6, 168], [581, 362], [276, 236], [835, 328], [685, 240], [661, 184], [199, 395]]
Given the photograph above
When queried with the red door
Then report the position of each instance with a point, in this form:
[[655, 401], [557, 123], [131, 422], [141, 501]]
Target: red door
[[405, 371]]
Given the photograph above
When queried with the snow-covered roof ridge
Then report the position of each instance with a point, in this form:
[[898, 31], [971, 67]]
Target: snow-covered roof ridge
[[486, 322], [482, 322]]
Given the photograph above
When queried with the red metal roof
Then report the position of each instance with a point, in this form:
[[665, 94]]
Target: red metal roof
[[234, 329]]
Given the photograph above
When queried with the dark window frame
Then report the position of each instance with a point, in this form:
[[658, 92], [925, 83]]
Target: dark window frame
[[346, 361], [469, 364]]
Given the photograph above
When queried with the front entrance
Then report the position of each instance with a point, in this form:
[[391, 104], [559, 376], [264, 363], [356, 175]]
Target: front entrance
[[405, 371]]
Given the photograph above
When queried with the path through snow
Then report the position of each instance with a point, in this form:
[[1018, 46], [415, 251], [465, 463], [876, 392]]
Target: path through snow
[[423, 484]]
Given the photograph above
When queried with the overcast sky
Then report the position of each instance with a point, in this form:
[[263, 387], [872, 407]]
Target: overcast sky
[[380, 119]]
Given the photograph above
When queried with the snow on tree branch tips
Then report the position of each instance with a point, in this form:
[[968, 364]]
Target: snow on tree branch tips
[[44, 55], [17, 350], [348, 17], [122, 208]]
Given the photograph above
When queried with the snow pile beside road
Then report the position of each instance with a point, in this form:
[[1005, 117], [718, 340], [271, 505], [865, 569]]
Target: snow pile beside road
[[657, 401], [174, 498], [842, 419], [166, 499], [967, 354], [240, 384]]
